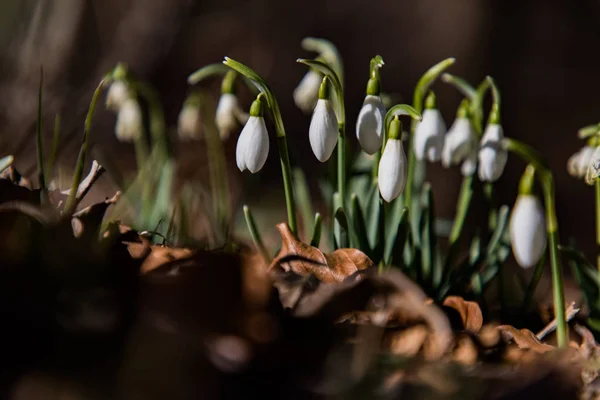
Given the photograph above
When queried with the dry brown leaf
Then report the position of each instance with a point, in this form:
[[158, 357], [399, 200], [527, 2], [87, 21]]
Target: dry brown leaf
[[408, 342], [465, 351], [303, 259], [469, 311], [524, 338]]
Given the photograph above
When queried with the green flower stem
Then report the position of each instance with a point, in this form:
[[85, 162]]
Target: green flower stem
[[71, 203], [419, 95], [317, 229], [207, 72], [341, 160], [286, 169], [254, 232], [547, 182]]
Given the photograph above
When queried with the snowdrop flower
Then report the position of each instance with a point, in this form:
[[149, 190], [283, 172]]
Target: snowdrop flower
[[129, 121], [188, 122], [492, 157], [593, 169], [527, 223], [117, 94], [253, 144], [429, 133], [323, 125], [392, 166], [229, 115], [579, 162], [460, 143], [369, 125], [306, 93]]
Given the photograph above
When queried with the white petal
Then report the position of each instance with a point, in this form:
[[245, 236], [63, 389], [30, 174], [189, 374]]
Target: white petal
[[492, 157], [458, 143], [323, 130], [188, 123], [253, 145], [117, 94], [527, 230], [593, 168], [129, 121], [369, 125], [307, 91], [226, 116], [392, 170], [469, 164], [429, 136]]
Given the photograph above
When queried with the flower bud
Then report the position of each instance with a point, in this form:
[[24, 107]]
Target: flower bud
[[459, 143], [392, 166], [117, 94], [579, 162], [307, 91], [229, 115], [129, 121], [527, 230], [323, 125], [188, 122], [253, 144], [492, 157], [369, 125], [429, 133]]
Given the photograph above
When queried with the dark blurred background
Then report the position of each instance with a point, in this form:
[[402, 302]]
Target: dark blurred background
[[543, 55]]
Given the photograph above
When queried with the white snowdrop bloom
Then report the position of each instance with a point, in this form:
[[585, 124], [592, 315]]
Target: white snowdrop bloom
[[323, 130], [117, 94], [469, 165], [492, 157], [429, 136], [593, 168], [229, 115], [307, 91], [393, 165], [369, 125], [129, 121], [579, 162], [188, 122], [459, 143], [253, 144], [528, 230]]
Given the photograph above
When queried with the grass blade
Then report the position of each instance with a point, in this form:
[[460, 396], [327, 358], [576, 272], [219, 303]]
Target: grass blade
[[317, 229], [255, 233]]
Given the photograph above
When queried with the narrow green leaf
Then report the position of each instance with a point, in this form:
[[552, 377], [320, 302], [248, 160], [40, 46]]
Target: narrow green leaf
[[395, 247], [255, 234], [501, 226], [373, 210], [162, 200], [427, 80], [317, 228], [427, 235], [205, 72], [360, 229], [342, 237]]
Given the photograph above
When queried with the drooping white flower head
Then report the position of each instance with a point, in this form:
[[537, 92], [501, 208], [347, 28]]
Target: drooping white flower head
[[593, 169], [129, 121], [369, 125], [393, 164], [460, 143], [117, 94], [528, 230], [307, 91], [323, 125], [579, 162], [188, 122], [229, 115], [429, 133], [253, 144], [492, 156]]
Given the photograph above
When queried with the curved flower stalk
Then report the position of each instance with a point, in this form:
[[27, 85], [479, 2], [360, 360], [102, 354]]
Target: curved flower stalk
[[460, 143], [492, 157], [323, 125], [306, 93], [253, 144], [429, 133], [271, 101], [393, 164], [527, 223]]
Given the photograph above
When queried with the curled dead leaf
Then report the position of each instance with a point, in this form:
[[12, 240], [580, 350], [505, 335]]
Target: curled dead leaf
[[524, 339], [303, 259], [469, 311]]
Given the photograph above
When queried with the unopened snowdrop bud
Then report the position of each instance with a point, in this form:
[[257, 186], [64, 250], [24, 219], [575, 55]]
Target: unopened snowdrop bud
[[579, 162], [429, 133], [323, 125], [392, 166], [229, 115], [369, 125], [188, 122], [306, 93], [527, 224], [129, 121], [460, 142], [492, 157], [253, 144], [117, 94]]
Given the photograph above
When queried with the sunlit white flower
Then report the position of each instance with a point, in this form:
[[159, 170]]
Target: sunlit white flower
[[253, 144], [129, 121], [307, 91], [392, 170], [579, 162], [527, 230], [369, 125], [593, 169], [188, 122], [429, 136], [459, 144], [229, 115], [492, 157], [117, 94], [323, 130]]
